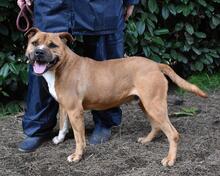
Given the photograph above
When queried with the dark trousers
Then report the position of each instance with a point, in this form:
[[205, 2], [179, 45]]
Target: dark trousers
[[40, 115]]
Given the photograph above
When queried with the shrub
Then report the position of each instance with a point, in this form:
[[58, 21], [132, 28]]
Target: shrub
[[13, 69], [177, 31]]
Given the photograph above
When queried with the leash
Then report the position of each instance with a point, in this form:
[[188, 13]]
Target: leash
[[27, 15]]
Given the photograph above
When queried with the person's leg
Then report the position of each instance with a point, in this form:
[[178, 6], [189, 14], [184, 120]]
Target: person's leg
[[103, 48], [40, 115]]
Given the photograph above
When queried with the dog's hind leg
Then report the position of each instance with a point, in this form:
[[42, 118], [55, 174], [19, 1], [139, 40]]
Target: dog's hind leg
[[154, 101], [64, 127], [154, 130], [157, 114]]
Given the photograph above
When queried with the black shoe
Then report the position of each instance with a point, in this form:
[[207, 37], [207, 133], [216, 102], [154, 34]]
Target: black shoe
[[100, 134], [30, 144]]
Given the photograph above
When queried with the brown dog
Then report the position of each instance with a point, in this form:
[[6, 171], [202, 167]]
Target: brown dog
[[79, 83]]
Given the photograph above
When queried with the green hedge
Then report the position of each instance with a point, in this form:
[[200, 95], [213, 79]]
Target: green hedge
[[176, 32], [13, 69]]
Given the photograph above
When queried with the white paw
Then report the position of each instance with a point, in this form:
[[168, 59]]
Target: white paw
[[168, 162], [56, 140], [74, 158], [70, 158], [143, 140]]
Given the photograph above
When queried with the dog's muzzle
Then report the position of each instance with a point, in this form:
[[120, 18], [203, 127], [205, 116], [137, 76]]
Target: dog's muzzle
[[41, 62]]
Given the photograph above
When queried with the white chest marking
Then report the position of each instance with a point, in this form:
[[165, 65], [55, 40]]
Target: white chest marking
[[50, 78]]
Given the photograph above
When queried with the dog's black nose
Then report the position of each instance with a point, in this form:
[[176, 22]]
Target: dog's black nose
[[39, 53]]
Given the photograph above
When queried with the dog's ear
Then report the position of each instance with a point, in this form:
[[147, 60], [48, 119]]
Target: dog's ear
[[66, 37], [31, 32]]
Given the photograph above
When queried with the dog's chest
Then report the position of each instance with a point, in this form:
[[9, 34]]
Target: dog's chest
[[50, 78]]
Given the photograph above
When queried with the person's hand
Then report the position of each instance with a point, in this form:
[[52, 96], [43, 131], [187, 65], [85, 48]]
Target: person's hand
[[128, 11], [20, 3]]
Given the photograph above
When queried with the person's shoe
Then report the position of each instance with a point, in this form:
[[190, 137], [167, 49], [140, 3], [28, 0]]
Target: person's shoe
[[100, 134], [30, 144]]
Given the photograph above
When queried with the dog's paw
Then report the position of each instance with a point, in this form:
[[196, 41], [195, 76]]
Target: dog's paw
[[167, 161], [143, 140], [56, 140], [74, 158]]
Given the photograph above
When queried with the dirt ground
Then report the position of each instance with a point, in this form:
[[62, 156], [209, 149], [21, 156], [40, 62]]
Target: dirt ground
[[198, 152]]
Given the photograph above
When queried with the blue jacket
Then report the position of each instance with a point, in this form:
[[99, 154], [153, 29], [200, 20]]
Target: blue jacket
[[86, 17]]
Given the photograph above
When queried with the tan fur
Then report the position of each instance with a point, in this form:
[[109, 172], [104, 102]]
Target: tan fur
[[82, 83]]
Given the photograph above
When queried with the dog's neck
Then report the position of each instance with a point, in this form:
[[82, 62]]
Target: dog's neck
[[70, 60]]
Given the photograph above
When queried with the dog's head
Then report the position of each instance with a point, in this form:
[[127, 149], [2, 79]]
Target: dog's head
[[46, 50]]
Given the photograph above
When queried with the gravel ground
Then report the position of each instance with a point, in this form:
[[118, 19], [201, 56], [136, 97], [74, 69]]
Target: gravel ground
[[198, 152]]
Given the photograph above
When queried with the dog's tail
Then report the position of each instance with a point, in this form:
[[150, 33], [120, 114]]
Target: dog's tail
[[167, 70]]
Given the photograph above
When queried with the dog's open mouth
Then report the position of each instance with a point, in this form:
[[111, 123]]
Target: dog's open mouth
[[42, 67], [39, 68]]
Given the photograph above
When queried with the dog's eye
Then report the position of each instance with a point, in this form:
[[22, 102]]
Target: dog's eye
[[52, 45], [35, 43]]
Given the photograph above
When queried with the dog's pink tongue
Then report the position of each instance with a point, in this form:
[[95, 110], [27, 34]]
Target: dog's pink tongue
[[39, 68]]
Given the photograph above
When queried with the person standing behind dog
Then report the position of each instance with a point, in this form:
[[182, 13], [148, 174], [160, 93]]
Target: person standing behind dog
[[101, 23]]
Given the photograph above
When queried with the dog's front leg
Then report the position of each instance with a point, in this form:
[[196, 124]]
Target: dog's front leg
[[77, 123], [64, 126]]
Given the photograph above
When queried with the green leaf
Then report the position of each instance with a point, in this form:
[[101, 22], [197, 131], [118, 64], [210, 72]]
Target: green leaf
[[189, 28], [179, 8], [147, 51], [177, 44], [214, 55], [186, 10], [150, 29], [152, 17], [172, 9], [198, 52], [209, 58], [147, 36], [189, 38], [13, 68], [4, 70], [174, 54], [199, 66], [186, 47], [161, 31], [179, 26], [182, 58], [158, 40], [165, 12], [155, 57], [215, 20], [211, 8], [155, 49], [187, 111], [140, 27], [4, 93], [150, 23], [166, 56], [152, 5], [184, 1], [202, 2], [200, 34]]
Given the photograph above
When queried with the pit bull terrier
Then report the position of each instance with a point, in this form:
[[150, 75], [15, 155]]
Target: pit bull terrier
[[80, 83]]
